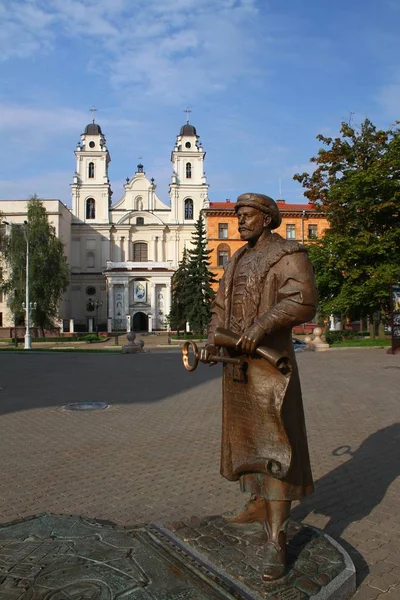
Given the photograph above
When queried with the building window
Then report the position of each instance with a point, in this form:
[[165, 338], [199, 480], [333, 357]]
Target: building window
[[188, 170], [312, 232], [91, 170], [223, 254], [222, 230], [139, 221], [1, 296], [139, 252], [91, 291], [1, 319], [290, 232], [188, 208], [90, 208], [90, 260]]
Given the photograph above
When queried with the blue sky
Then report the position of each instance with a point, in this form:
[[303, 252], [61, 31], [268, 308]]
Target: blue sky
[[262, 80]]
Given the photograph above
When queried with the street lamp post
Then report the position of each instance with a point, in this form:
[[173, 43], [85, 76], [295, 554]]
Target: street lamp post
[[27, 302]]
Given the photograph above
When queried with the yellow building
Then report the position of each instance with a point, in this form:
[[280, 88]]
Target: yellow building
[[300, 222]]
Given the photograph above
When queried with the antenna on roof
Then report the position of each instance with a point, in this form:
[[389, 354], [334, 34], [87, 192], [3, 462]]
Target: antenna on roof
[[93, 110], [280, 188]]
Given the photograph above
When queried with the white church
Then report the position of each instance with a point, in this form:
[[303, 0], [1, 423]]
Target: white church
[[122, 256]]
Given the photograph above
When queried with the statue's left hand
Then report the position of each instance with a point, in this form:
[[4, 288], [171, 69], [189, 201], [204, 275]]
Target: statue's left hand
[[250, 339]]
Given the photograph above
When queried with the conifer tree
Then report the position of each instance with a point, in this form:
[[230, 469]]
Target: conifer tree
[[199, 293], [177, 316]]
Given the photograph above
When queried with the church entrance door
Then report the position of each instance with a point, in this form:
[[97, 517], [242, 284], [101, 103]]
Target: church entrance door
[[139, 322]]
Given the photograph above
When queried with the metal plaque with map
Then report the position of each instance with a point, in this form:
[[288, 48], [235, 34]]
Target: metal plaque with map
[[50, 557]]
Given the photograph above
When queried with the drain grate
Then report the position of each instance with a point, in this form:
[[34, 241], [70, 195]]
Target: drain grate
[[86, 406]]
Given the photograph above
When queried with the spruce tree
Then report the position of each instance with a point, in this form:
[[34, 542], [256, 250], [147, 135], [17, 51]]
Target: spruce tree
[[177, 316], [199, 293]]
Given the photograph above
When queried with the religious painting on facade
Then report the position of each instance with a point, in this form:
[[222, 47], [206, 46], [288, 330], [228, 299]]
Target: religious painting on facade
[[139, 291]]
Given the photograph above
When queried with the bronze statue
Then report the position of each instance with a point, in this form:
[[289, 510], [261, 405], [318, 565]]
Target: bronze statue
[[268, 287]]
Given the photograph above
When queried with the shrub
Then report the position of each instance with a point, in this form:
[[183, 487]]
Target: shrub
[[90, 337], [338, 336]]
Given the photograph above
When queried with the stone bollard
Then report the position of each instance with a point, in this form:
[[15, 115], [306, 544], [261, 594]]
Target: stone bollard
[[317, 344], [132, 347]]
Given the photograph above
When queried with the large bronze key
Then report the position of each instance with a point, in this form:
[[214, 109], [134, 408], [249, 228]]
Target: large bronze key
[[196, 357], [227, 339]]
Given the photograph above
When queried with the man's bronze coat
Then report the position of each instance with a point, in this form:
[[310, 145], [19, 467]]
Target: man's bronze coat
[[263, 429]]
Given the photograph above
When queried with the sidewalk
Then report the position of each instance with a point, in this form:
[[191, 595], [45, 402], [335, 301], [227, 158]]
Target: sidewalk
[[154, 454]]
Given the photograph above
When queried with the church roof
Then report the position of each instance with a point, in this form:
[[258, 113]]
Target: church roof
[[93, 129], [188, 129]]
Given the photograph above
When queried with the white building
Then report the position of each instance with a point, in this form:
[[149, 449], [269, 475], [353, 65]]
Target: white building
[[123, 256]]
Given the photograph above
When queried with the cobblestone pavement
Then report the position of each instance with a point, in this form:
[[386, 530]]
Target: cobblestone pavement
[[154, 454]]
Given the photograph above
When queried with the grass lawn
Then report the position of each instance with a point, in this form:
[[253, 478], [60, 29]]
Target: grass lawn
[[362, 342]]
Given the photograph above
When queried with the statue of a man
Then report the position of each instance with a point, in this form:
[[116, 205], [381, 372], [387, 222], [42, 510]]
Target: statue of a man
[[268, 287]]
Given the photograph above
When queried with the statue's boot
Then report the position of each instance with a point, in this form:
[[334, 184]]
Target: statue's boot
[[275, 526], [254, 510], [274, 556]]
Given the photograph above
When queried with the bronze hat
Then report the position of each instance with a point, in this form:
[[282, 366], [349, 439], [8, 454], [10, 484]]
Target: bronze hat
[[263, 203]]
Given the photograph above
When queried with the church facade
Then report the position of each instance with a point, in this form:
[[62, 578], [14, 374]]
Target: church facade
[[122, 256]]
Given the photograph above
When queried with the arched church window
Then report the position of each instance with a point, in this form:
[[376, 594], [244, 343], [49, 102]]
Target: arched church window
[[90, 260], [188, 208], [139, 221], [223, 254], [139, 252], [91, 170], [90, 208], [188, 170]]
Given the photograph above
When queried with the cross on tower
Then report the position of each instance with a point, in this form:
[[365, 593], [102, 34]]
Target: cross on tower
[[187, 111], [93, 110]]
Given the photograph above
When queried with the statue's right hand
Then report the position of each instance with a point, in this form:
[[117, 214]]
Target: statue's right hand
[[208, 351]]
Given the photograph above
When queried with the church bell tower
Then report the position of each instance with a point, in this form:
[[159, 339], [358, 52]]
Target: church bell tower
[[91, 190], [188, 189]]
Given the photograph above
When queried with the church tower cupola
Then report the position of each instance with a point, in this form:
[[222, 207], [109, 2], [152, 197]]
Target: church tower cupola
[[188, 188], [91, 190]]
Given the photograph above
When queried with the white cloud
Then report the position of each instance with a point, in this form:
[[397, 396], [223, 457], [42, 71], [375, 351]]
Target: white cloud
[[176, 50], [43, 185]]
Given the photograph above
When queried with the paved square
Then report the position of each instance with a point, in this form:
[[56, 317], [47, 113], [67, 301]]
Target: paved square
[[154, 454]]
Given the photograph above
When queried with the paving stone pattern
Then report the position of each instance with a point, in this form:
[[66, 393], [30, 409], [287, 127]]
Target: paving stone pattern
[[154, 455]]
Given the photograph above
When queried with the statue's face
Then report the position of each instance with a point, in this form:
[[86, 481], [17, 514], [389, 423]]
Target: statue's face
[[251, 223]]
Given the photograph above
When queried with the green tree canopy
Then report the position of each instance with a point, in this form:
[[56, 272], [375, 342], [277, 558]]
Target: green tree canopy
[[48, 268], [177, 316], [199, 293], [357, 185]]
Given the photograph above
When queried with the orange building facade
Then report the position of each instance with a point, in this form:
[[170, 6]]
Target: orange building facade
[[300, 222]]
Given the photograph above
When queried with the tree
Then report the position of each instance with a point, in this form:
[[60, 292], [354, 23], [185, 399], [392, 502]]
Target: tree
[[199, 293], [177, 316], [48, 267], [357, 185]]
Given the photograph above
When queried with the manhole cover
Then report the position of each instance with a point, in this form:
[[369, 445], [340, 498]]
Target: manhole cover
[[86, 406]]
